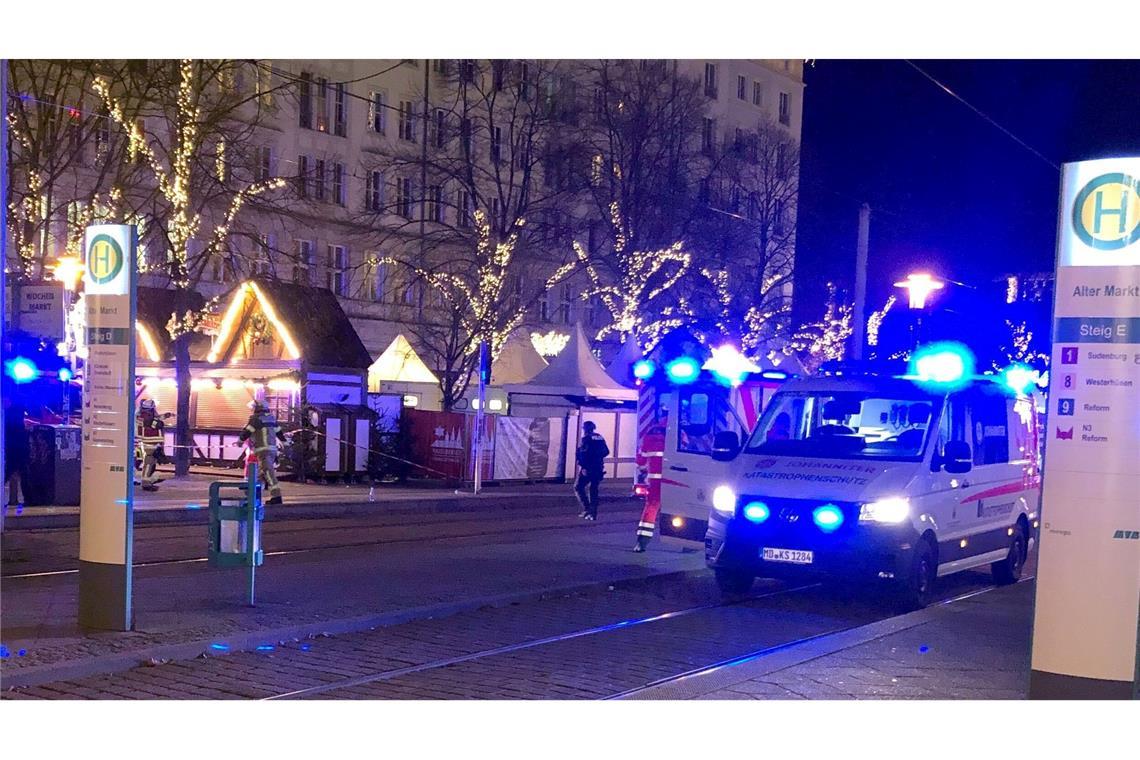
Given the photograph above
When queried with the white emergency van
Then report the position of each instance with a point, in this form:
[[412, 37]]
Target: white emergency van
[[878, 478]]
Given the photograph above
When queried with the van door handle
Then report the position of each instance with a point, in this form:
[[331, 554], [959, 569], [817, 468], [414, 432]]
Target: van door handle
[[965, 484], [678, 468]]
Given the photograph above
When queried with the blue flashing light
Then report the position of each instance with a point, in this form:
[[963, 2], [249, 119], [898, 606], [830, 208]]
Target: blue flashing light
[[65, 375], [193, 506], [827, 518], [265, 648], [21, 653], [220, 647], [644, 369], [4, 652], [1019, 378], [683, 370], [21, 370], [774, 374], [945, 366], [756, 511], [923, 649], [306, 647]]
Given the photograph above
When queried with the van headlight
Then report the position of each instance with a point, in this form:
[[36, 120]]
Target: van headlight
[[724, 500], [891, 511]]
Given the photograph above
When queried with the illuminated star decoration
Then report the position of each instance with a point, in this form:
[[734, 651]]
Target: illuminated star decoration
[[728, 363]]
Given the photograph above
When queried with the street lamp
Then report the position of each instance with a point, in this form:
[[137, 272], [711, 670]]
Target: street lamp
[[68, 270], [919, 287]]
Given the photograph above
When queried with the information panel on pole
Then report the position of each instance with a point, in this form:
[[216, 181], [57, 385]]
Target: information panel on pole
[[106, 490], [1088, 579]]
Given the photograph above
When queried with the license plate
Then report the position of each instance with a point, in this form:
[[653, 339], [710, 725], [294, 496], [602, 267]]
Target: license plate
[[795, 556]]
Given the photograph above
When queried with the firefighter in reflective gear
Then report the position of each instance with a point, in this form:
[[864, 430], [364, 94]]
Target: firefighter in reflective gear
[[652, 456], [148, 443], [263, 432]]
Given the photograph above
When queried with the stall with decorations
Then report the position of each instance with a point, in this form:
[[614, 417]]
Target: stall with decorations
[[288, 344], [400, 371]]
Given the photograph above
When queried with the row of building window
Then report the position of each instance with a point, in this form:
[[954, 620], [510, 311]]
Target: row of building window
[[712, 90]]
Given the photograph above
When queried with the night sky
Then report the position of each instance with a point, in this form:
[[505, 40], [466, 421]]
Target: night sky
[[949, 192]]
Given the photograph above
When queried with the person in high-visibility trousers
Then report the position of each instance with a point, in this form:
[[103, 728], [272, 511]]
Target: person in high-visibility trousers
[[263, 433], [148, 443], [652, 456]]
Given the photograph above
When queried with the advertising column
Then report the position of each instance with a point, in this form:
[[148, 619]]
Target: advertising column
[[106, 490], [1088, 581]]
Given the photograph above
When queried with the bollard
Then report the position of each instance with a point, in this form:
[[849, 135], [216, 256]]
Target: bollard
[[236, 513]]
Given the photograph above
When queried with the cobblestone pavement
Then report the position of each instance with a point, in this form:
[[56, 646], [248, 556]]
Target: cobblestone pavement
[[591, 666], [186, 603]]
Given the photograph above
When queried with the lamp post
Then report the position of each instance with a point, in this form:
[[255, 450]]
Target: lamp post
[[68, 270], [919, 287]]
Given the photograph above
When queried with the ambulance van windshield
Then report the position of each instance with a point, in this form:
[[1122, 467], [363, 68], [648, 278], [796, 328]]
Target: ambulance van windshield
[[845, 425]]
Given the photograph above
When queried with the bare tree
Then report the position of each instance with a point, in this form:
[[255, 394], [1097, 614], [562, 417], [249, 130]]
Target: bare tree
[[192, 122], [65, 160], [476, 202]]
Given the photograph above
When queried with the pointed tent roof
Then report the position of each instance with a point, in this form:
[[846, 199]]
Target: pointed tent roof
[[401, 364], [518, 362], [576, 372], [619, 368]]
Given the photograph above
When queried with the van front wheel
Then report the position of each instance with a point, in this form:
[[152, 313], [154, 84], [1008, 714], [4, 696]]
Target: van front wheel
[[917, 589], [734, 581], [1009, 569]]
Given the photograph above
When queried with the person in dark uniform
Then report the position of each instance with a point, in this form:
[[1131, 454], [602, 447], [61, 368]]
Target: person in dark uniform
[[16, 448], [591, 457]]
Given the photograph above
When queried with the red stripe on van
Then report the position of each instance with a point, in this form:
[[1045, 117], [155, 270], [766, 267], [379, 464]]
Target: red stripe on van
[[1016, 486]]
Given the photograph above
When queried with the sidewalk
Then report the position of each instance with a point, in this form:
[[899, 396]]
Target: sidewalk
[[186, 501], [974, 648]]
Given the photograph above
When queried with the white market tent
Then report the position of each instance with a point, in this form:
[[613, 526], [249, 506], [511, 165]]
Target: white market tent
[[621, 365], [517, 362], [575, 372], [400, 370]]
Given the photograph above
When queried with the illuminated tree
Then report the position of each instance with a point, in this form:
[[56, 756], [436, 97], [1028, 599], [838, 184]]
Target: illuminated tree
[[1021, 348], [476, 204], [198, 119], [825, 340], [875, 323]]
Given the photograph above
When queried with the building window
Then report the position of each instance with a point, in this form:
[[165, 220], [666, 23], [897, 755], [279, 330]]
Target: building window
[[496, 212], [263, 84], [708, 136], [265, 165], [102, 133], [433, 204], [710, 80], [781, 161], [524, 80], [306, 100], [263, 256], [498, 74], [465, 135], [566, 304], [223, 266], [739, 140], [374, 191], [340, 117], [338, 269], [378, 113], [467, 69], [303, 261], [463, 208], [304, 166], [407, 128], [544, 306], [496, 144], [741, 88], [319, 179], [338, 189], [404, 197], [438, 136], [757, 94], [372, 286], [321, 86], [785, 108]]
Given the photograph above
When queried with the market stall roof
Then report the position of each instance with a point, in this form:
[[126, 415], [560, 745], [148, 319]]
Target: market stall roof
[[308, 321], [575, 372], [400, 364], [620, 367], [153, 309], [518, 362]]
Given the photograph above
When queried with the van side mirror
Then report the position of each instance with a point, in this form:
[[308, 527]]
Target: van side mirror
[[726, 445], [957, 457]]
